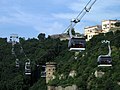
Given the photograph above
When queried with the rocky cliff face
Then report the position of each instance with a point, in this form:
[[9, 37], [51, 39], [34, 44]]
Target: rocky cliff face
[[73, 87]]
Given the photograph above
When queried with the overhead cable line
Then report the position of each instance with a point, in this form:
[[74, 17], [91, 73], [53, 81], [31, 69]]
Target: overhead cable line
[[82, 13]]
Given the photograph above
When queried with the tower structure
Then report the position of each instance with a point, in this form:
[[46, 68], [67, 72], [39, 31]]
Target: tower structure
[[50, 69], [13, 39]]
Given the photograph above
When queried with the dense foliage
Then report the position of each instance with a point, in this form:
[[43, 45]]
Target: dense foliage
[[86, 65], [42, 50]]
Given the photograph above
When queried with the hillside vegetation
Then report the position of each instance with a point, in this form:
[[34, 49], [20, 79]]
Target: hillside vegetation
[[43, 50]]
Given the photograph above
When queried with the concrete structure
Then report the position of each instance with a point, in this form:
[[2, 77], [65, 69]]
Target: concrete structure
[[72, 73], [92, 31], [73, 87], [118, 83], [50, 69], [108, 24], [14, 39], [61, 76], [99, 74], [51, 88]]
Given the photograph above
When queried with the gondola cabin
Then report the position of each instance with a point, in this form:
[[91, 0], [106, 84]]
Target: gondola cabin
[[27, 68], [104, 61], [43, 71], [77, 44], [17, 63]]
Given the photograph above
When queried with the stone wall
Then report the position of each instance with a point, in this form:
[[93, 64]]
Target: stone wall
[[73, 87]]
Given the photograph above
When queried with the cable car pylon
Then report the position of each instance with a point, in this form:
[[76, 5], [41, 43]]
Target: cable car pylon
[[13, 40]]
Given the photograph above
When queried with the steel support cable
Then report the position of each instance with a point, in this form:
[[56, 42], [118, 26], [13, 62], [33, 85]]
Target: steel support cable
[[85, 9], [66, 28], [70, 31], [13, 51], [77, 16], [73, 24], [14, 54], [79, 19], [23, 50]]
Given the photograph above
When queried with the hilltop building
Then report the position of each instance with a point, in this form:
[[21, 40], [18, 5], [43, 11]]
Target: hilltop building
[[108, 24], [92, 31]]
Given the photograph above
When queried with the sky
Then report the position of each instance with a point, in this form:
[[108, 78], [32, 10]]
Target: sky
[[28, 18]]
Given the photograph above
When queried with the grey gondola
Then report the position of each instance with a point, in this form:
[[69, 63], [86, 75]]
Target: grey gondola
[[17, 63], [105, 60], [77, 44], [43, 71], [27, 68]]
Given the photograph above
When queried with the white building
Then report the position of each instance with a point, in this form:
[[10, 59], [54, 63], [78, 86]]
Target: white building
[[108, 24], [92, 31]]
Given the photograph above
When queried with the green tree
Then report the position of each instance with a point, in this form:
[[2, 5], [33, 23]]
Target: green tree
[[117, 24], [72, 31], [41, 36]]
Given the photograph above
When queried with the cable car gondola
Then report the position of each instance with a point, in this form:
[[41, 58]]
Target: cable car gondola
[[77, 44], [104, 61], [43, 71], [17, 63], [27, 68]]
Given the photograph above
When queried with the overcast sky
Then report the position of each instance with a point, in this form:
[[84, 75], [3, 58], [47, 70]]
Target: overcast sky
[[28, 18]]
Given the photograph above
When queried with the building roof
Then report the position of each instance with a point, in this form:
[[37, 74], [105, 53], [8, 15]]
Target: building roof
[[92, 26], [110, 20]]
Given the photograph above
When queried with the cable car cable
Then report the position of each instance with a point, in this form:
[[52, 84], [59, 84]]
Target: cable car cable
[[82, 13], [23, 50], [83, 9]]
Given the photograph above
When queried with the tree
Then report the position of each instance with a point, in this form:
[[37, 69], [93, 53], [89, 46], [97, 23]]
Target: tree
[[73, 31], [41, 36], [117, 24]]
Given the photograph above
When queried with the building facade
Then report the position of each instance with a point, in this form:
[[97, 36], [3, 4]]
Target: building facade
[[92, 31], [50, 69], [108, 24]]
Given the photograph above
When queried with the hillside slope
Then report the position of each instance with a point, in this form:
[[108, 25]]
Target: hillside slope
[[86, 65], [42, 51]]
